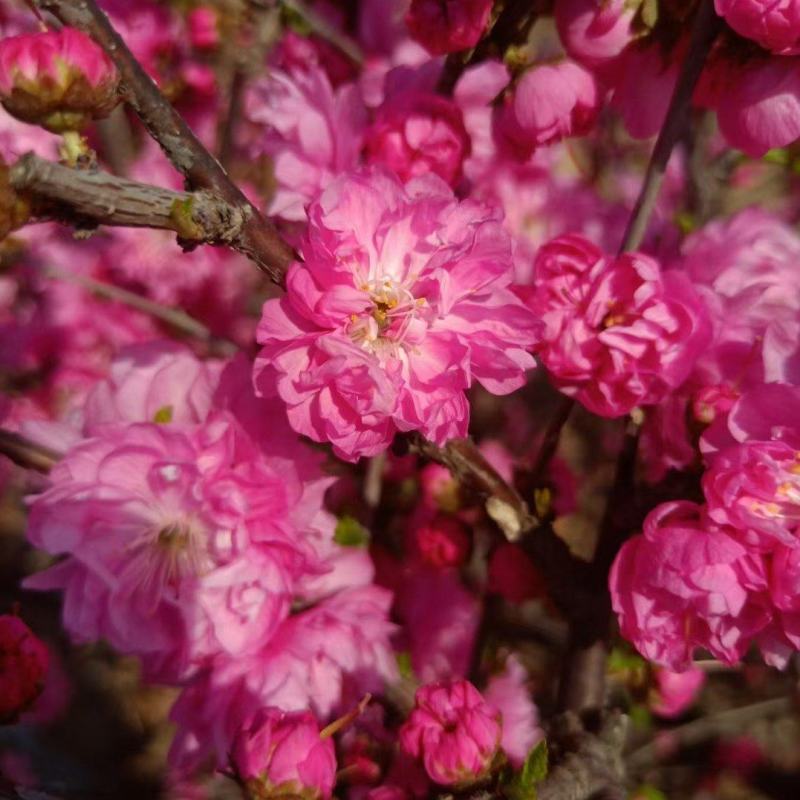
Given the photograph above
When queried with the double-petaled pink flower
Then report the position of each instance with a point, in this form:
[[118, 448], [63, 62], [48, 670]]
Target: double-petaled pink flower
[[774, 24], [619, 332], [446, 26], [404, 299]]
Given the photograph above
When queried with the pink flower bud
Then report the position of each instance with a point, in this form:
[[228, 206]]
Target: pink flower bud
[[280, 754], [774, 25], [594, 31], [202, 25], [454, 731], [550, 103], [675, 692], [418, 133], [58, 79], [442, 541], [23, 665], [447, 26]]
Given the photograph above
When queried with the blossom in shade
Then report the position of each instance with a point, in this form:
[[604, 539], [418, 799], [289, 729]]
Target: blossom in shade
[[674, 692], [441, 540], [594, 32], [279, 754], [550, 102], [685, 583], [403, 300], [308, 129], [202, 24], [513, 575], [58, 79], [509, 694], [755, 488], [447, 26], [774, 25], [415, 133], [619, 332], [180, 543], [454, 731], [24, 661]]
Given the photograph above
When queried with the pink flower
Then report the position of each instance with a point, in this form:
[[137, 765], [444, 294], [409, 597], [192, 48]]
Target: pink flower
[[785, 594], [403, 299], [24, 662], [549, 103], [675, 692], [758, 103], [619, 333], [416, 133], [509, 694], [454, 731], [202, 23], [442, 541], [774, 25], [594, 32], [755, 488], [643, 89], [684, 584], [309, 130], [58, 79], [180, 543], [280, 753], [446, 26]]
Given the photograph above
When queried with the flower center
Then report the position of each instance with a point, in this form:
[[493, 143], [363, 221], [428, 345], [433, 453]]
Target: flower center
[[386, 324]]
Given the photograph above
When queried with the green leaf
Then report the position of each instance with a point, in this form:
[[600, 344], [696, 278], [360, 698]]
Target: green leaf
[[647, 792], [534, 770], [350, 533], [163, 415], [404, 664]]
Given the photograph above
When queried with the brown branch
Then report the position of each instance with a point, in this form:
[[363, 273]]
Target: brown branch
[[81, 196], [706, 27], [258, 238], [26, 453]]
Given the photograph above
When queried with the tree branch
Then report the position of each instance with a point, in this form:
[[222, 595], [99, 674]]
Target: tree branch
[[706, 26], [26, 453], [258, 239], [80, 196]]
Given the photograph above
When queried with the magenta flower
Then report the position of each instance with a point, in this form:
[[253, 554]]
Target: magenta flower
[[595, 32], [774, 25], [454, 731], [619, 333], [685, 583], [675, 692], [24, 662], [281, 754], [58, 79], [441, 540], [549, 103], [415, 133], [755, 487], [181, 543], [404, 298], [447, 26]]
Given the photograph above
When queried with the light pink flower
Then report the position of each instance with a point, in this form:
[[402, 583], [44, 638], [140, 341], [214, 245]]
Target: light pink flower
[[180, 543], [446, 26], [674, 692], [549, 103], [309, 130], [24, 661], [454, 731], [594, 32], [280, 753], [774, 25], [403, 300], [619, 333], [58, 79], [415, 133], [509, 693], [685, 583], [758, 103], [755, 488]]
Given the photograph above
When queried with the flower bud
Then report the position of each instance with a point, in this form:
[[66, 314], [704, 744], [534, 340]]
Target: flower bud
[[442, 541], [59, 79], [595, 31], [281, 754], [675, 692], [23, 666], [447, 26], [454, 731]]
